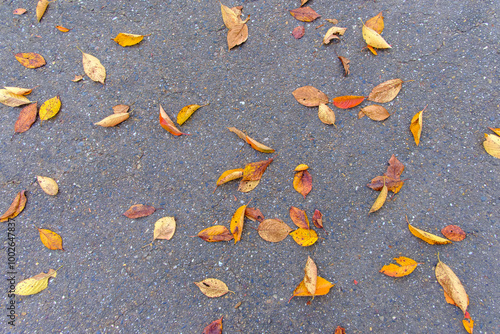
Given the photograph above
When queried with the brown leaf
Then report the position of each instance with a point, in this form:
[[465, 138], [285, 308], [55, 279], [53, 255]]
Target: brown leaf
[[395, 168], [215, 327], [299, 217], [139, 210], [164, 228], [238, 30], [237, 35], [310, 96], [302, 182], [376, 23], [212, 287], [120, 108], [326, 114], [273, 230], [339, 330], [41, 6], [451, 285], [30, 59], [345, 63], [386, 91], [50, 239], [299, 32], [167, 123], [254, 214], [332, 34], [15, 208], [376, 112], [215, 233], [391, 177], [347, 101], [318, 219], [310, 275], [305, 14], [27, 116], [453, 232]]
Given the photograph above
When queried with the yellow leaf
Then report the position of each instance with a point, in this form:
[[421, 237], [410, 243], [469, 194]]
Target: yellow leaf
[[428, 237], [246, 186], [322, 288], [304, 237], [19, 91], [301, 167], [48, 185], [215, 233], [229, 175], [416, 126], [380, 199], [125, 39], [93, 67], [332, 34], [237, 223], [406, 267], [451, 285], [186, 112], [164, 228], [386, 91], [50, 108], [372, 38], [325, 114], [213, 287], [50, 239], [12, 100], [468, 325], [30, 59], [310, 275], [113, 119], [253, 171], [35, 284], [496, 130], [492, 145], [41, 6]]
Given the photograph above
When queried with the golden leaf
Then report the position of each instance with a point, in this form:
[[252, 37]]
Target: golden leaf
[[213, 287], [376, 112], [237, 223], [253, 171], [93, 67], [322, 288], [325, 114], [186, 112], [255, 144], [35, 284], [125, 39], [304, 237], [302, 182], [30, 59], [164, 228], [113, 120], [468, 325], [386, 91], [238, 30], [77, 78], [120, 108], [246, 186], [492, 145], [379, 202], [303, 2], [373, 39], [50, 108], [310, 275], [19, 90], [229, 175], [451, 285], [48, 185], [50, 239], [310, 96], [376, 23], [301, 167], [215, 233], [167, 124], [416, 126], [15, 208], [406, 267], [19, 11], [27, 116], [12, 100], [273, 230], [428, 237], [41, 6]]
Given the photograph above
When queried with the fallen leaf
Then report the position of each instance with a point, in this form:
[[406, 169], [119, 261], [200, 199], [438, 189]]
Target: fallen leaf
[[332, 34], [125, 39], [318, 219], [339, 330], [376, 112], [386, 91], [373, 39], [167, 123], [416, 126], [48, 185], [322, 288], [186, 112], [15, 208], [50, 108], [41, 6], [30, 59], [299, 217], [301, 167], [229, 175], [451, 285], [237, 223], [379, 202], [27, 116], [428, 237], [238, 30], [468, 325], [252, 173], [255, 144], [19, 11], [310, 275], [19, 90], [215, 233], [345, 63], [164, 228], [12, 100], [326, 115], [310, 96], [254, 214], [372, 49], [120, 108], [50, 239], [273, 230], [361, 114], [113, 120], [215, 327], [302, 182], [492, 145], [376, 23], [332, 21], [303, 2], [304, 237], [391, 177], [213, 287], [305, 14], [247, 186], [453, 232], [406, 267], [77, 78], [62, 29], [348, 101], [298, 32], [93, 67], [138, 211], [496, 130], [35, 284]]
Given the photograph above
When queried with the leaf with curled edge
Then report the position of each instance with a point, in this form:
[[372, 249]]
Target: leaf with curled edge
[[15, 208], [167, 123]]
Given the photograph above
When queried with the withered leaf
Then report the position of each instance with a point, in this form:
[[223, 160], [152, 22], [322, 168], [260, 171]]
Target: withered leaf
[[318, 219], [93, 67], [416, 126], [303, 2], [496, 130], [16, 207], [332, 34], [406, 267], [428, 237], [326, 114], [246, 186], [299, 217], [212, 287], [48, 185], [305, 14], [50, 239], [386, 91], [120, 108], [12, 100], [167, 124], [391, 177], [346, 64], [454, 233], [35, 284], [215, 327], [302, 182], [238, 30], [379, 202], [376, 23], [376, 112], [310, 96], [139, 210], [113, 120], [255, 144], [322, 288], [41, 6], [215, 233], [254, 170], [164, 228], [27, 116], [30, 59], [298, 32], [254, 214], [451, 285], [273, 230], [310, 275], [304, 237], [77, 78], [237, 223], [348, 101]]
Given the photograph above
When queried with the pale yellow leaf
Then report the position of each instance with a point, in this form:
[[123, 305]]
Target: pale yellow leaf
[[374, 39], [40, 8], [213, 287], [492, 145], [12, 100], [19, 90], [164, 228], [326, 114], [451, 285], [310, 275], [35, 284], [113, 119], [93, 67], [48, 185]]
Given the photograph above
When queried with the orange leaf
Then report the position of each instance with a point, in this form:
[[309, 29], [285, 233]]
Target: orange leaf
[[62, 29], [30, 59], [254, 170], [302, 182], [15, 208], [50, 239], [406, 267], [310, 96], [305, 14], [318, 219], [298, 32], [254, 214], [19, 11], [339, 330], [322, 288], [468, 325], [496, 130], [454, 233], [215, 327], [27, 116], [372, 49], [348, 101], [391, 177], [139, 210], [304, 237], [167, 123], [237, 223], [215, 233], [299, 217], [416, 126], [376, 112], [376, 23]]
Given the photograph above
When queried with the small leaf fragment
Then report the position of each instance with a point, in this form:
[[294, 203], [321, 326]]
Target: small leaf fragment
[[386, 91], [304, 237], [303, 2], [304, 14], [30, 59], [212, 287], [120, 108], [19, 90], [322, 288], [41, 6], [93, 67], [186, 112], [125, 39], [428, 237], [376, 112], [492, 145], [339, 330], [48, 185], [15, 208], [77, 78], [62, 29], [391, 177], [113, 120], [348, 101], [254, 214], [12, 100], [373, 39], [236, 225], [310, 275], [379, 202], [215, 233], [326, 114], [332, 34], [310, 96], [139, 210], [215, 327], [27, 116], [50, 239], [164, 228], [299, 217], [496, 130], [50, 108], [167, 124], [19, 11], [255, 144], [345, 64], [468, 325], [273, 230], [406, 267], [318, 219], [453, 232], [302, 182], [451, 285], [35, 284], [416, 126], [298, 32]]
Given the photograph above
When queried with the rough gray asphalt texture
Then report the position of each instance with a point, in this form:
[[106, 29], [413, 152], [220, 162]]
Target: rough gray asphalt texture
[[111, 283]]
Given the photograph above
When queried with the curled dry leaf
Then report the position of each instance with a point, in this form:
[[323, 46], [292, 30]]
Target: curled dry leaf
[[332, 21], [391, 177], [238, 30], [322, 288], [30, 59], [302, 182], [376, 23], [15, 208], [454, 233], [50, 239], [19, 11], [19, 90], [416, 126], [332, 34], [186, 112], [318, 219], [41, 6], [379, 202], [304, 237], [77, 78], [376, 112], [373, 39], [50, 108], [12, 100], [406, 267], [339, 330], [273, 230], [93, 67], [229, 175], [215, 327], [167, 124], [254, 214], [326, 115], [348, 101], [48, 185], [428, 237], [345, 63], [125, 39], [252, 173], [451, 285], [213, 287], [27, 116], [237, 221], [386, 91], [35, 284], [113, 120], [215, 233], [62, 29], [492, 145], [120, 108], [310, 96], [310, 275], [255, 144], [305, 14], [298, 32], [299, 217], [164, 228], [138, 211]]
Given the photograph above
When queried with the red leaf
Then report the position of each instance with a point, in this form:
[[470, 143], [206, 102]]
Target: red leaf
[[318, 219], [348, 101], [139, 210], [215, 327], [305, 14], [298, 32]]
